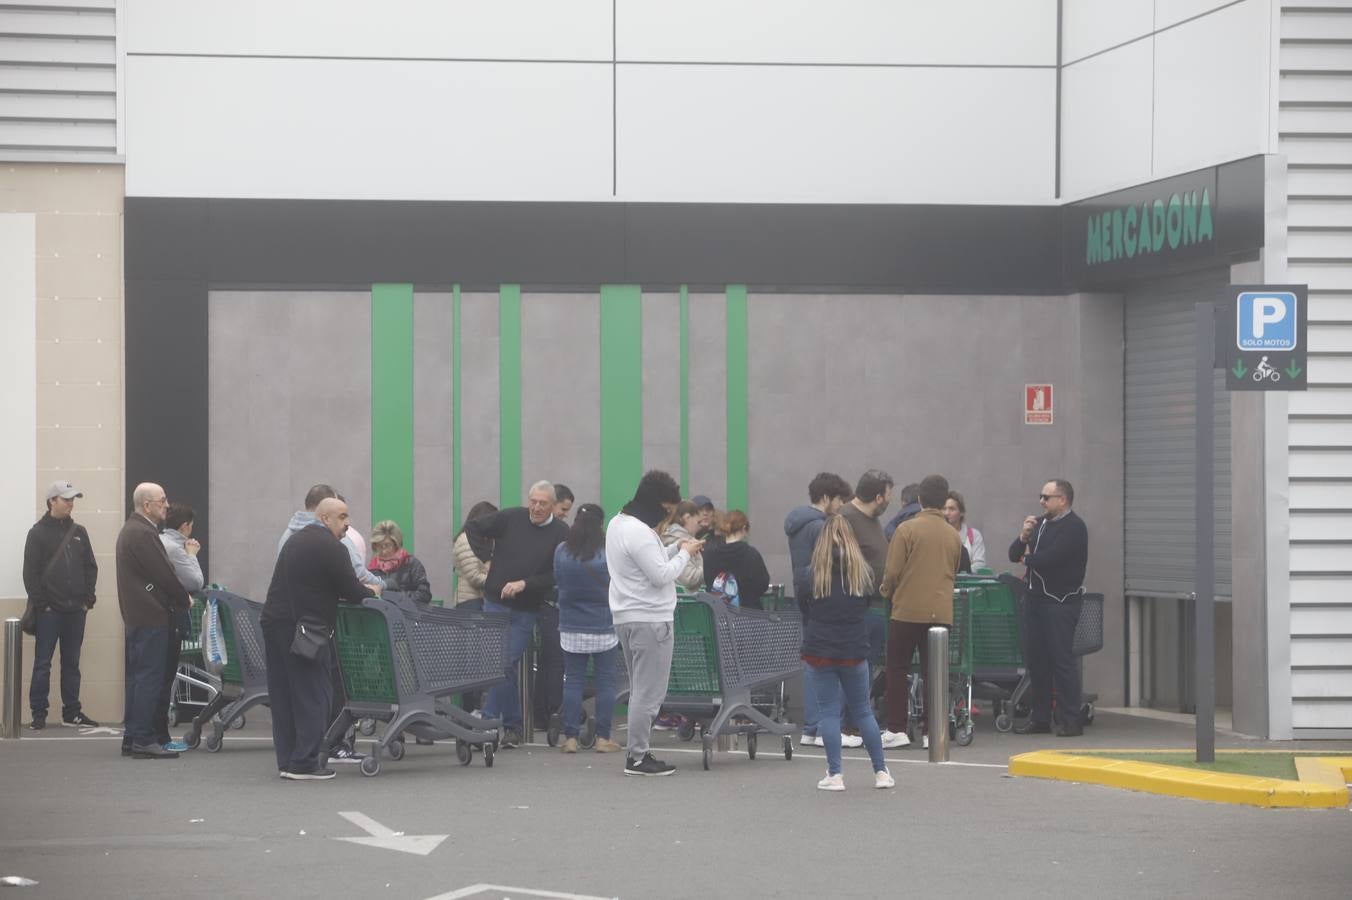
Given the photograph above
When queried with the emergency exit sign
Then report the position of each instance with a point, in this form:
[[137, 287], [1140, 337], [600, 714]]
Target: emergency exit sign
[[1037, 404]]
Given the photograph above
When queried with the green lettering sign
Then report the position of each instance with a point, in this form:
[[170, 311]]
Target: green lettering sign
[[1157, 225], [1181, 220], [1205, 231], [1091, 243], [1143, 235], [1189, 217], [1174, 221], [1131, 231]]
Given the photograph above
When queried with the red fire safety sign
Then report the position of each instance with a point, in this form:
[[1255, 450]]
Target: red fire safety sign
[[1037, 404]]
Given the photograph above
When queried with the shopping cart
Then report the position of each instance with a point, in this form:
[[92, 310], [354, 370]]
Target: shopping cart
[[997, 646], [721, 654], [243, 682], [401, 664], [960, 725]]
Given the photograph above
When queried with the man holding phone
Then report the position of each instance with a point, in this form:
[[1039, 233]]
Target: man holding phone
[[1055, 548]]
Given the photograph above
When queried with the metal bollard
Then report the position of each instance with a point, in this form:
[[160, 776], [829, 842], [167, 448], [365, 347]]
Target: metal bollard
[[524, 677], [936, 695], [9, 728]]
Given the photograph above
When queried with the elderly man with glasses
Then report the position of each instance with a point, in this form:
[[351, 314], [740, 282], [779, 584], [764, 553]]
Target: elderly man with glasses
[[519, 542], [1055, 548]]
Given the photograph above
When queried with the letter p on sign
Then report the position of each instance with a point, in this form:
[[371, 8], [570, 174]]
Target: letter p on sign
[[1266, 321]]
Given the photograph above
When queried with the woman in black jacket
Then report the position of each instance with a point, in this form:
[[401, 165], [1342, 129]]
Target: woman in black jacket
[[400, 569], [836, 648]]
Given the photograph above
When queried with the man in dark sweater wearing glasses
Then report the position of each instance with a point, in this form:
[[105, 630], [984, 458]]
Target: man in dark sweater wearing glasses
[[1055, 548]]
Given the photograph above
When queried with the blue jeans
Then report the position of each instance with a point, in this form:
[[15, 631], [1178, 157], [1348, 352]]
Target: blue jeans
[[504, 700], [575, 679], [67, 628], [838, 687], [147, 653]]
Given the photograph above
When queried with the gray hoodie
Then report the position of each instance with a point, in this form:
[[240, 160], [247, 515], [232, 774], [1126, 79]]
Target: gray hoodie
[[802, 525], [301, 518], [186, 566]]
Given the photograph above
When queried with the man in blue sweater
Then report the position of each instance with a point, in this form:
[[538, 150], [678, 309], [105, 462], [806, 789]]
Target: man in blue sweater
[[1055, 548]]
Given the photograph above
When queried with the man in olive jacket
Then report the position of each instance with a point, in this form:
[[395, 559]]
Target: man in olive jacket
[[150, 597], [922, 561]]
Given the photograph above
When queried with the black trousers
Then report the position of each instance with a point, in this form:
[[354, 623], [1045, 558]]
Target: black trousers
[[172, 651], [300, 693], [1049, 634], [547, 692]]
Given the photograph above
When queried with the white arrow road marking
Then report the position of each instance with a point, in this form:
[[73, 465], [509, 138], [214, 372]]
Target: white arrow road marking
[[386, 839], [101, 729], [507, 891]]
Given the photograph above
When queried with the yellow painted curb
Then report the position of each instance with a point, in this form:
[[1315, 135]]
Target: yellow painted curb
[[1177, 781]]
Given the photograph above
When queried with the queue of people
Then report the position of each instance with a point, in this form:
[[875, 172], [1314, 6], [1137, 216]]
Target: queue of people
[[609, 589]]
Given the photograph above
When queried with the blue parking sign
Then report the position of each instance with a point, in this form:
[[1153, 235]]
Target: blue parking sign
[[1266, 320]]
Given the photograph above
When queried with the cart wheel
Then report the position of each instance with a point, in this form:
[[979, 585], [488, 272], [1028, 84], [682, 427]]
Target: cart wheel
[[788, 748], [213, 743], [1003, 723], [367, 727], [708, 756], [395, 749], [686, 731], [370, 765], [193, 738], [751, 745], [488, 755], [238, 723], [464, 752], [965, 734], [586, 735], [1087, 714], [555, 726]]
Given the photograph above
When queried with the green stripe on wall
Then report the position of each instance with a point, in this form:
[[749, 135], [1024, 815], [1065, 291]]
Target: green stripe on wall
[[621, 394], [392, 406], [455, 407], [738, 461], [685, 390], [509, 395]]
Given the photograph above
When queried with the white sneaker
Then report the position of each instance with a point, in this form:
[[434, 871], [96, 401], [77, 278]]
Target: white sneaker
[[832, 783], [808, 740], [883, 779], [851, 740], [894, 739], [924, 742]]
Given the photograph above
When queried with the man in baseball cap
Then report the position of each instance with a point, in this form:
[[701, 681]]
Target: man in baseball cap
[[59, 574]]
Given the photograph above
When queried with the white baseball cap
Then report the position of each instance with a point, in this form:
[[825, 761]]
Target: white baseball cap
[[63, 489]]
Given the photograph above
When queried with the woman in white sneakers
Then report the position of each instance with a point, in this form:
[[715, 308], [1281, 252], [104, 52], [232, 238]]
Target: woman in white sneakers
[[836, 648]]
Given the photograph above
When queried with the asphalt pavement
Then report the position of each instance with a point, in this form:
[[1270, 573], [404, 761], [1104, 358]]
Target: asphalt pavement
[[85, 822]]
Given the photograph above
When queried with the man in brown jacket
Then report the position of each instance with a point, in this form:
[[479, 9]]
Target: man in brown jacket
[[150, 597], [922, 561]]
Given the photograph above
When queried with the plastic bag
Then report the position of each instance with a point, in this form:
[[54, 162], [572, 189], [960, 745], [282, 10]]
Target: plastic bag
[[214, 654]]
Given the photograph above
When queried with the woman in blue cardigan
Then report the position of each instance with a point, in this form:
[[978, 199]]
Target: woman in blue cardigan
[[836, 648], [586, 631]]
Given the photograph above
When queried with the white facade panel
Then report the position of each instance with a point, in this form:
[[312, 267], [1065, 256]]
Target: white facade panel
[[799, 134], [1319, 558], [1321, 619], [1327, 527], [401, 29], [1211, 89], [1320, 496], [18, 347], [1324, 683], [1091, 26], [368, 130], [1307, 589], [1106, 129], [1171, 12], [1330, 651], [1322, 714], [977, 32]]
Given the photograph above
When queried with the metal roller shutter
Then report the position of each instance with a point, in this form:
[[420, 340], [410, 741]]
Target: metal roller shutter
[[1159, 407]]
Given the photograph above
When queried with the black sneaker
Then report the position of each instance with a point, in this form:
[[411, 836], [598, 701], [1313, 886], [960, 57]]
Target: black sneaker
[[79, 720], [38, 723], [341, 754], [511, 739], [316, 775], [648, 765]]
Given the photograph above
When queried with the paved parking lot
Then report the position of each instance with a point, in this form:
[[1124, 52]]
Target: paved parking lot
[[84, 822]]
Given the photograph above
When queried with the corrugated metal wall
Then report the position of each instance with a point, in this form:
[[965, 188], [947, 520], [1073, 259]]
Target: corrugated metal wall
[[58, 80], [1315, 134]]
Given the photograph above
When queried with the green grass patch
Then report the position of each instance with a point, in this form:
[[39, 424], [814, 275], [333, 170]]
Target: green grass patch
[[1277, 764]]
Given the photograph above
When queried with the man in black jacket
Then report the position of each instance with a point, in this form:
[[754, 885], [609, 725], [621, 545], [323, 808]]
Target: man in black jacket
[[1055, 548], [519, 581], [312, 574], [59, 574]]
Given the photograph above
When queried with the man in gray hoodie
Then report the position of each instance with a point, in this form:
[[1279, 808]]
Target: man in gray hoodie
[[826, 493]]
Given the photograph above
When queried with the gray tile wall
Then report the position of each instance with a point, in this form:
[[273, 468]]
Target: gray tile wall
[[433, 444], [662, 384], [479, 425]]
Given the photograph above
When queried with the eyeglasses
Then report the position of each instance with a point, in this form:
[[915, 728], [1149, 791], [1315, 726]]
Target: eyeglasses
[[1048, 496]]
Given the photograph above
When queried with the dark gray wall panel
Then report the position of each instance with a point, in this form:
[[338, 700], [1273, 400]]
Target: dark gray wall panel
[[662, 384], [290, 396], [433, 445], [708, 397], [561, 392], [479, 425]]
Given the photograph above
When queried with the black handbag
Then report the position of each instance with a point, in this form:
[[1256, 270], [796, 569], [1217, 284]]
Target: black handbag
[[311, 637]]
